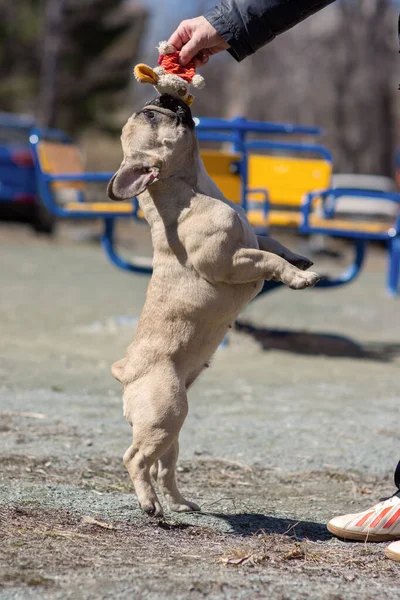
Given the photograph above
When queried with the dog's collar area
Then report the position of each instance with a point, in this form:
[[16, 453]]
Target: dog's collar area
[[155, 108], [165, 111], [173, 105]]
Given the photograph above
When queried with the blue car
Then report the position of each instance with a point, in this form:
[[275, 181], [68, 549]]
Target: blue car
[[19, 197]]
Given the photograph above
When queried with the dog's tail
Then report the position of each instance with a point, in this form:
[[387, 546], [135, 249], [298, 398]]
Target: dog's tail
[[118, 369]]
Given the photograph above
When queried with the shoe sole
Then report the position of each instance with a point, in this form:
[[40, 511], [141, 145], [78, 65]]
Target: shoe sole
[[362, 537], [392, 555]]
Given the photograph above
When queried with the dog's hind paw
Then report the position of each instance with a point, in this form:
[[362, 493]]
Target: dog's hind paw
[[185, 506], [152, 509]]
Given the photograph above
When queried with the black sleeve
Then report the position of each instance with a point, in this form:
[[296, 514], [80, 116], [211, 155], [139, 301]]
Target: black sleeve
[[247, 25]]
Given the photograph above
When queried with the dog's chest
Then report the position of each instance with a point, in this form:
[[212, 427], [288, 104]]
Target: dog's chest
[[167, 245]]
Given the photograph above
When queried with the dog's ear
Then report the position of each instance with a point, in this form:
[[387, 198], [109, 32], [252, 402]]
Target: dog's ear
[[145, 74], [128, 182]]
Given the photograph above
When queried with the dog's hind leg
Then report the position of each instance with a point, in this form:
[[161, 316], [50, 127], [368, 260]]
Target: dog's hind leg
[[138, 463], [268, 244], [154, 470], [157, 413], [166, 480]]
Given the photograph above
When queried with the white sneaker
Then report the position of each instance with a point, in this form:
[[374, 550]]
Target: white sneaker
[[380, 523], [393, 551]]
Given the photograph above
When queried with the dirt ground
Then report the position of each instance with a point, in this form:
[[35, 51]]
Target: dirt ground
[[296, 421]]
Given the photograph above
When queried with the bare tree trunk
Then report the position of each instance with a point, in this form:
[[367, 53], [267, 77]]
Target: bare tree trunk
[[52, 32]]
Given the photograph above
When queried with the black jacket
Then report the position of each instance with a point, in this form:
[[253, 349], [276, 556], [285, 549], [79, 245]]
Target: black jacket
[[249, 24]]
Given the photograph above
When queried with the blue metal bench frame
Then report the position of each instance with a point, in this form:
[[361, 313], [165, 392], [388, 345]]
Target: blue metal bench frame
[[329, 199], [44, 184]]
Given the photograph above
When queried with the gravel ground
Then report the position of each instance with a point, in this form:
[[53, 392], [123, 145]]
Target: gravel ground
[[296, 421]]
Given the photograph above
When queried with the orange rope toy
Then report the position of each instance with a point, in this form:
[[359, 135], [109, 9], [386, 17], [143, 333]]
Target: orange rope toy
[[169, 77], [170, 64]]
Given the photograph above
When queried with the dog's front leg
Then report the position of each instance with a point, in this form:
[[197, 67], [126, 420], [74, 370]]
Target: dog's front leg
[[249, 264], [268, 244]]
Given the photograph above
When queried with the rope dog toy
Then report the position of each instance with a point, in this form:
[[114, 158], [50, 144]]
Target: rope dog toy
[[169, 77]]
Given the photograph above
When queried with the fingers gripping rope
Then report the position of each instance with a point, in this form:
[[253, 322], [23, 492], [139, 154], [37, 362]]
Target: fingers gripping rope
[[170, 63]]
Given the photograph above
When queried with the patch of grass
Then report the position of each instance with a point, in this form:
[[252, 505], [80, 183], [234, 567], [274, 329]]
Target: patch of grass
[[26, 578], [202, 532], [271, 548], [39, 580], [286, 552]]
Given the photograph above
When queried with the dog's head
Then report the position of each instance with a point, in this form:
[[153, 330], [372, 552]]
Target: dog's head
[[156, 142]]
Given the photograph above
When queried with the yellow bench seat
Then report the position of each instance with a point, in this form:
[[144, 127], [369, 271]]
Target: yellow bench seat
[[286, 178], [274, 218], [294, 219], [106, 207]]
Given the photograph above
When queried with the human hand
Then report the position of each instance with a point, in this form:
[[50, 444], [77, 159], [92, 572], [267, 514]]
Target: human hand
[[197, 38]]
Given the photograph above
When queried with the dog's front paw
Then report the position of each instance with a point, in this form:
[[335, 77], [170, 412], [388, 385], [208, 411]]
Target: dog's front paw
[[185, 506], [303, 280]]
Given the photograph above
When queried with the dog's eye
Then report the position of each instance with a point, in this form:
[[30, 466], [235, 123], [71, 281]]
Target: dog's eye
[[150, 115]]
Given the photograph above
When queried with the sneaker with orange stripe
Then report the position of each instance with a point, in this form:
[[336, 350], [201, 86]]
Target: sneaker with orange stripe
[[380, 523]]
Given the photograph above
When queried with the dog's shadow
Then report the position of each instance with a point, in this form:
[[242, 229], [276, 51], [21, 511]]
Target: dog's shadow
[[247, 524], [314, 344]]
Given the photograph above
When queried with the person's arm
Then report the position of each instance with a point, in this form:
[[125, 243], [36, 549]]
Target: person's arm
[[247, 25], [239, 26]]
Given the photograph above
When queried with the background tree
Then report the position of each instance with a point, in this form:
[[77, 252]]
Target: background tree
[[85, 50], [52, 31], [100, 43]]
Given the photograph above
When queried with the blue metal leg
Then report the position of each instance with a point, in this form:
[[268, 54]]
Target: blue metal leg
[[107, 242], [352, 272], [393, 278]]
